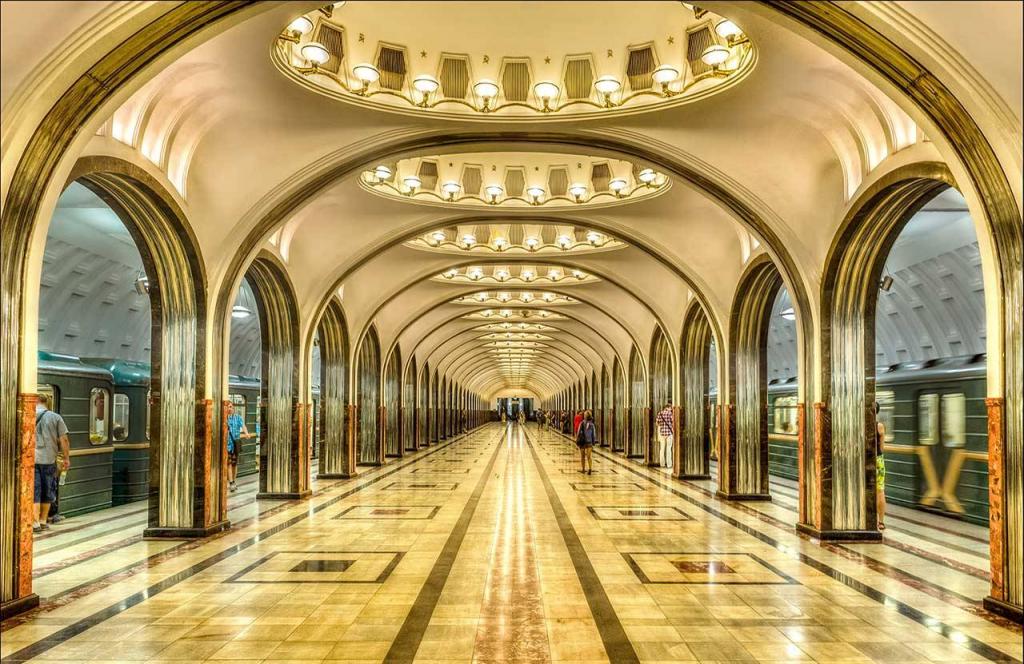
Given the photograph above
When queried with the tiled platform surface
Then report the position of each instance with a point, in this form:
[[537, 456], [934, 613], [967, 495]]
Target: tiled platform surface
[[507, 554]]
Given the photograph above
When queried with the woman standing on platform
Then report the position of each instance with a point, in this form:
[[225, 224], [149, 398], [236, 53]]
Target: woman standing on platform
[[586, 437], [880, 466]]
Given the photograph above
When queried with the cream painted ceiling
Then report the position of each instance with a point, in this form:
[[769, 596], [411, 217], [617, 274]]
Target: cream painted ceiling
[[797, 138]]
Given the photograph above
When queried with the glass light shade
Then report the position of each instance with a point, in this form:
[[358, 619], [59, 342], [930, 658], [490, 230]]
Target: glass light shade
[[505, 313], [475, 273], [486, 313], [665, 74], [450, 274], [535, 192], [578, 191], [485, 89], [578, 274], [548, 297], [238, 311], [412, 182], [366, 73], [788, 313], [545, 90], [554, 275], [526, 275], [564, 241], [593, 237], [301, 25], [606, 85], [714, 55], [617, 185], [315, 52], [526, 297], [438, 236], [425, 84], [647, 176], [726, 29], [482, 297], [501, 275], [494, 190], [504, 297], [499, 242], [382, 172], [531, 242], [469, 239], [451, 188]]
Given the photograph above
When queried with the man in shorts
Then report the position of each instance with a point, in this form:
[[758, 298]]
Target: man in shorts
[[51, 440]]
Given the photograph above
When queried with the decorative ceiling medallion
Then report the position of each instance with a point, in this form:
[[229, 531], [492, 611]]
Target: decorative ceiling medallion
[[523, 180], [514, 299], [495, 61], [514, 239], [516, 275], [514, 336], [516, 315]]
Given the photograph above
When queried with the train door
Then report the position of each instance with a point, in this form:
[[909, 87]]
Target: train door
[[942, 439]]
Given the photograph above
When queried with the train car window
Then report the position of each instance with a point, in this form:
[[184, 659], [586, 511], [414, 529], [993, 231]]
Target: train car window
[[784, 413], [928, 419], [99, 415], [954, 420], [887, 412], [119, 418], [50, 391]]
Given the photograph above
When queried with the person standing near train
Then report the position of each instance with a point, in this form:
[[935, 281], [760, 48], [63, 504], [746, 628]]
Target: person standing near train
[[665, 422], [237, 431], [880, 465], [51, 440]]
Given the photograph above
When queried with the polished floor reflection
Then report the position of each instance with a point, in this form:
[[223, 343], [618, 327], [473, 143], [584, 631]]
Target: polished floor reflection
[[494, 548]]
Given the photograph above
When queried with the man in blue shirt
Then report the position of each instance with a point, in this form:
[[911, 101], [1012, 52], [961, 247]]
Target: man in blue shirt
[[236, 432], [51, 442]]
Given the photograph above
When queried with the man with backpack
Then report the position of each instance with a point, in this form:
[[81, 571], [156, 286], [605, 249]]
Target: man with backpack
[[51, 441]]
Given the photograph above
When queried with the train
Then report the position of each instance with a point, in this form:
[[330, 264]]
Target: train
[[936, 444], [105, 404]]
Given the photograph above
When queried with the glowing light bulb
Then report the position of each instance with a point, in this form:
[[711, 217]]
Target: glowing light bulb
[[315, 52], [564, 241], [438, 237]]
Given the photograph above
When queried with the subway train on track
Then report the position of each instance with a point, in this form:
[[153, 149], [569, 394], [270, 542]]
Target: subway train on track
[[936, 447], [105, 404]]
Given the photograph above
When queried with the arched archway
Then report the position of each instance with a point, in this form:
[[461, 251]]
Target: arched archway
[[694, 446], [368, 402], [605, 421], [423, 407], [639, 413], [392, 405], [337, 448], [283, 459], [845, 422], [744, 471], [619, 410], [660, 396], [410, 409]]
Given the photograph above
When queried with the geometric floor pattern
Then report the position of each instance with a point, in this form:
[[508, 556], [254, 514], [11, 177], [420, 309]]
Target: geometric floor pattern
[[492, 548]]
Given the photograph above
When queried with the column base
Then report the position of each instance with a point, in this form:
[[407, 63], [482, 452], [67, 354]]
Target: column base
[[1004, 609], [840, 535], [160, 532], [699, 476], [18, 605], [284, 495], [747, 497], [335, 476]]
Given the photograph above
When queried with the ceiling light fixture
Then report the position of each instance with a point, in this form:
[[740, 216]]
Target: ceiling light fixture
[[607, 86], [300, 26], [546, 92], [554, 275], [438, 237], [315, 53], [238, 311], [664, 76], [594, 238], [618, 186], [468, 240], [730, 32], [450, 189], [365, 74], [526, 275], [426, 86], [535, 194], [501, 274], [532, 243], [578, 191], [486, 90], [647, 176], [494, 191], [564, 241], [382, 173], [412, 183], [715, 56]]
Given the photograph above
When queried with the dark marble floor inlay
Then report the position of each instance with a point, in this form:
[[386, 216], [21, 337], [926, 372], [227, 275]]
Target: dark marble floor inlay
[[703, 567], [322, 566]]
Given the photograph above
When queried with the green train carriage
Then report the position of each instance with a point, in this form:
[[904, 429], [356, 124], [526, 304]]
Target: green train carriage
[[936, 426], [81, 393]]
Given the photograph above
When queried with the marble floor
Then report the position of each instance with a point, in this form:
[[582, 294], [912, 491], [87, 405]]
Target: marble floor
[[492, 547]]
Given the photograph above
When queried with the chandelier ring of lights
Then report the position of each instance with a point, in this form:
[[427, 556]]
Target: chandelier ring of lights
[[727, 63], [495, 195]]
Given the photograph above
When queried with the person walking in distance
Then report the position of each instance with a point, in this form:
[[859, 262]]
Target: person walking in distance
[[880, 466], [666, 430], [51, 441], [586, 437], [236, 432]]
